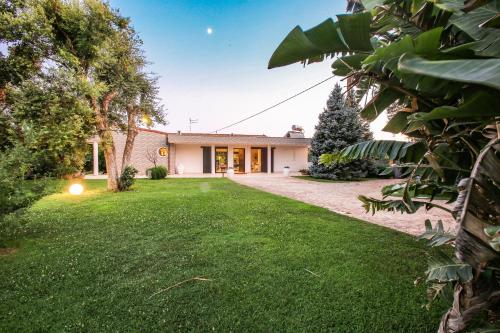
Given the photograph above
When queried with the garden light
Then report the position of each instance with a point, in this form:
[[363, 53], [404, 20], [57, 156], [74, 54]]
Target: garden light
[[76, 189]]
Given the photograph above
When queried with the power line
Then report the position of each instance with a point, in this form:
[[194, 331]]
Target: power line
[[273, 106]]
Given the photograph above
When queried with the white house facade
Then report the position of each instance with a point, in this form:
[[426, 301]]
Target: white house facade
[[200, 153]]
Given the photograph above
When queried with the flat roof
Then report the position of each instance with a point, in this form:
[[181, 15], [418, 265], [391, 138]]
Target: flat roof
[[235, 139], [230, 139]]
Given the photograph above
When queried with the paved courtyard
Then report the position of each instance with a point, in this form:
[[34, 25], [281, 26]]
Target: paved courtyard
[[342, 198]]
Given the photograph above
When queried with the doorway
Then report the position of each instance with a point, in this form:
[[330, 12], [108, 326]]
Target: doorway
[[220, 159], [239, 160], [259, 160]]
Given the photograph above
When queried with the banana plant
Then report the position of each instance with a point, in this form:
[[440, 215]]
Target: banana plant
[[438, 63]]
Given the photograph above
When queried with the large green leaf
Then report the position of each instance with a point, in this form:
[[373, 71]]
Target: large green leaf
[[397, 123], [356, 30], [379, 103], [345, 65], [442, 268], [484, 72], [350, 34], [370, 4], [471, 22], [294, 48], [482, 103], [386, 149]]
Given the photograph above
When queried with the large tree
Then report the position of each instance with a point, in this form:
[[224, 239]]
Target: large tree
[[104, 51], [74, 62], [339, 126], [439, 62]]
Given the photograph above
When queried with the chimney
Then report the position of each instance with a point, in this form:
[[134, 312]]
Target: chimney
[[296, 132]]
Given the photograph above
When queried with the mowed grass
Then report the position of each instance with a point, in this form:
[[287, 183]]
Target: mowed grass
[[99, 263]]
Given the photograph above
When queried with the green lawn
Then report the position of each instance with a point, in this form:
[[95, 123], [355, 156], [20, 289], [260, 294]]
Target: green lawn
[[94, 263]]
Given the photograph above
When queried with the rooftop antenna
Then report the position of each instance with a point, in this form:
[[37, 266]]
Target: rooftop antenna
[[192, 121]]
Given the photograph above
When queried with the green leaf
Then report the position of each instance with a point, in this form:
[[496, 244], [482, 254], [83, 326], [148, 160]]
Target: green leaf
[[482, 103], [493, 233], [436, 236], [397, 123], [371, 4], [470, 23], [379, 103], [385, 149], [428, 42], [294, 48], [345, 65], [493, 22], [484, 72], [350, 34], [324, 36], [356, 30], [442, 268]]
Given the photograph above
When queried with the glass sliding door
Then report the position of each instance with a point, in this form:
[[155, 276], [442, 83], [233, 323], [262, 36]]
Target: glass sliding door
[[239, 160], [256, 160], [221, 159]]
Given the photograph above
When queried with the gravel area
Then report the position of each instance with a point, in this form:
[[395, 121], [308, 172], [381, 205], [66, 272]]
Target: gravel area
[[342, 198]]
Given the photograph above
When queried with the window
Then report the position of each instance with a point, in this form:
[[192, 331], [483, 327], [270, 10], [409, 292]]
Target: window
[[163, 151]]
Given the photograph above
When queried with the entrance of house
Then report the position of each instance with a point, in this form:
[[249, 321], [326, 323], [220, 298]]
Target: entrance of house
[[259, 160], [221, 159], [239, 160]]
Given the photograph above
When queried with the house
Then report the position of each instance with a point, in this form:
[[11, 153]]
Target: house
[[197, 153]]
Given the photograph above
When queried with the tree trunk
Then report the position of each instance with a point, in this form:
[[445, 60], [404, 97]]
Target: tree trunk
[[477, 208], [2, 95], [106, 136], [131, 134]]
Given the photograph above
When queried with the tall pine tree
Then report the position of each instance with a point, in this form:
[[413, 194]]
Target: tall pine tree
[[339, 126]]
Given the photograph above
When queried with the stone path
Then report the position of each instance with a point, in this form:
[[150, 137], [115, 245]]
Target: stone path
[[342, 198]]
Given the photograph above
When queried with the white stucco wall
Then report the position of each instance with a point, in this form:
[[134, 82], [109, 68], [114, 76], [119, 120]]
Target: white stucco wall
[[143, 141], [295, 158], [190, 156]]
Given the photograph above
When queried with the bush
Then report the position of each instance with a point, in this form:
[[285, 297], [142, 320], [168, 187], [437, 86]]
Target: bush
[[304, 172], [158, 172], [15, 191], [127, 178], [339, 126]]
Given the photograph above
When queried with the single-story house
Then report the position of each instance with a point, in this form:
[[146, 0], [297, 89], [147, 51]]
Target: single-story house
[[196, 153]]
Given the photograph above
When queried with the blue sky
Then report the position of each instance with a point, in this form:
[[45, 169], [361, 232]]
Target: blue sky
[[222, 77]]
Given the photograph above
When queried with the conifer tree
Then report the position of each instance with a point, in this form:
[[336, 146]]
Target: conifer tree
[[339, 126]]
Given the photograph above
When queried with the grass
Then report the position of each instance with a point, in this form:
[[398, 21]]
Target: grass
[[322, 180], [101, 262]]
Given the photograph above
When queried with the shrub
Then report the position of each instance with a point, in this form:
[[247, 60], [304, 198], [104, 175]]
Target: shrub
[[158, 172], [15, 191], [339, 126], [127, 178], [304, 172]]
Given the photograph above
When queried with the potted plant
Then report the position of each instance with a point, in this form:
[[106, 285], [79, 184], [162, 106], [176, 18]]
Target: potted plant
[[180, 169], [286, 170]]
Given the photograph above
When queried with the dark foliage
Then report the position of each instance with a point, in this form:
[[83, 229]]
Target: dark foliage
[[339, 126], [127, 178], [158, 172]]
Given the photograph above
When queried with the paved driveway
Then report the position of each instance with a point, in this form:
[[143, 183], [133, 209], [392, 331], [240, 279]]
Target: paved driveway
[[342, 198]]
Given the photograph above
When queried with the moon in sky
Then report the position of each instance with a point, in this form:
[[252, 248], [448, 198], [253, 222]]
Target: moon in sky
[[210, 31]]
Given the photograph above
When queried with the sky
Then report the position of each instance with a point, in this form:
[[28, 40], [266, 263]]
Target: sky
[[212, 58]]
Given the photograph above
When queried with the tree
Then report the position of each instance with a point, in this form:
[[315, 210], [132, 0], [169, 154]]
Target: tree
[[102, 48], [440, 63], [339, 126], [52, 120]]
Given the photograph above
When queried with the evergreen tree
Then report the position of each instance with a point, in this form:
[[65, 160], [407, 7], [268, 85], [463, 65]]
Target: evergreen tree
[[339, 126]]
